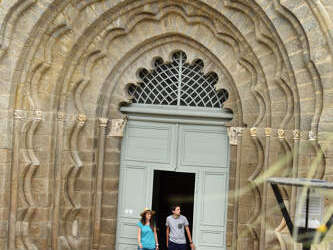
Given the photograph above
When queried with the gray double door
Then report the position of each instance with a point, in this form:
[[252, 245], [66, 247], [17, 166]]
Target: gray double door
[[174, 146]]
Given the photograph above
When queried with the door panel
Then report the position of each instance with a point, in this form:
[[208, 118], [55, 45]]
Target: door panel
[[212, 210], [213, 199], [211, 238], [202, 146], [133, 197], [200, 149], [145, 146], [122, 246], [132, 202], [149, 142], [205, 148]]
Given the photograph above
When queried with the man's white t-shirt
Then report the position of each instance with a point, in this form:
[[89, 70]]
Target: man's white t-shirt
[[177, 228]]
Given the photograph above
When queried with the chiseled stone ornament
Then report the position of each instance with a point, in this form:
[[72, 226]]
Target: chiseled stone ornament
[[297, 134], [103, 122], [37, 115], [82, 118], [268, 132], [234, 133], [117, 127], [281, 133], [312, 135], [253, 132], [20, 114], [61, 116]]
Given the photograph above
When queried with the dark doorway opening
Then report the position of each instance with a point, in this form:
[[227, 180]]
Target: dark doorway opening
[[172, 188]]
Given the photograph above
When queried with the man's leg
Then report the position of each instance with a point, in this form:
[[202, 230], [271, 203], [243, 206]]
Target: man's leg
[[182, 246], [172, 246], [177, 246]]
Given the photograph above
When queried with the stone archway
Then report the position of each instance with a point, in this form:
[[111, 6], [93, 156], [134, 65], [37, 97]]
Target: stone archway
[[67, 70]]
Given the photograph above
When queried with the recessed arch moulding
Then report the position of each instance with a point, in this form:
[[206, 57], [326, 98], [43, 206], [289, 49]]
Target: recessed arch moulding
[[72, 74], [164, 47]]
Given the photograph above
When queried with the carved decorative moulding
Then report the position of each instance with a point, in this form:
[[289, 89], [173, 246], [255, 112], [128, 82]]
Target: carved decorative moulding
[[312, 136], [103, 122], [297, 134], [304, 135], [23, 114], [61, 116], [82, 118], [281, 133], [233, 133], [20, 114], [117, 127], [253, 131], [37, 115], [268, 131]]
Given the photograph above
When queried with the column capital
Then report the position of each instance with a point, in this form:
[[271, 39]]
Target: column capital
[[268, 132], [281, 133], [234, 133], [296, 134], [253, 131], [103, 122]]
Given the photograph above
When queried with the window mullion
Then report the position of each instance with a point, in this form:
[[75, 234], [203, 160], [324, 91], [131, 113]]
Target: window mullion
[[180, 67]]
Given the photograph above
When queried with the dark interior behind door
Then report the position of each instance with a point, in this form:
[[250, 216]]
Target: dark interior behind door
[[172, 188]]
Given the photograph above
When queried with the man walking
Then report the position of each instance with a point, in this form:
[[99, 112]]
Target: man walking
[[175, 233]]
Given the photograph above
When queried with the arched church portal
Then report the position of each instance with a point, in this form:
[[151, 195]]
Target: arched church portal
[[175, 151]]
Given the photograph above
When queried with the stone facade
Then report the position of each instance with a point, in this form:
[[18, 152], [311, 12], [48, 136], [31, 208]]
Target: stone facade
[[65, 66]]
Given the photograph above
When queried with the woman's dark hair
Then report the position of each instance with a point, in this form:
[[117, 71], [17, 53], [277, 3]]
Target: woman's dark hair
[[143, 220]]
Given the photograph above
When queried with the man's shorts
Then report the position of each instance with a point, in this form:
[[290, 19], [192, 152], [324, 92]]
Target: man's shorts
[[174, 246]]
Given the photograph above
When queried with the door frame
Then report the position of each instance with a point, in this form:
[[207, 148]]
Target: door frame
[[179, 115]]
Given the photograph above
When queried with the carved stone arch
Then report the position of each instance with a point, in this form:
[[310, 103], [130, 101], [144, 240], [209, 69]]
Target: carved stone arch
[[253, 66], [124, 73], [250, 65], [114, 94]]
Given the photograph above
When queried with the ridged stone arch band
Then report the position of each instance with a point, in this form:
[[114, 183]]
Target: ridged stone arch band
[[178, 83]]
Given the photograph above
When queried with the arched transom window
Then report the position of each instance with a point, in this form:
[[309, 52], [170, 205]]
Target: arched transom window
[[178, 83]]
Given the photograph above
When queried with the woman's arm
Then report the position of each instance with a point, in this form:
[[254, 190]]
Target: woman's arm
[[156, 239], [139, 237]]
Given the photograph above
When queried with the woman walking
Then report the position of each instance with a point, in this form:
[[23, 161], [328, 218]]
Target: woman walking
[[147, 236]]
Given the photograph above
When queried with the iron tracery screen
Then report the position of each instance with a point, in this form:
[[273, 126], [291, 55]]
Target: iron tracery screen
[[178, 83]]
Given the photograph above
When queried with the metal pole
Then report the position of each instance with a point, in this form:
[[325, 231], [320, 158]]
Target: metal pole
[[307, 246], [307, 209], [283, 208]]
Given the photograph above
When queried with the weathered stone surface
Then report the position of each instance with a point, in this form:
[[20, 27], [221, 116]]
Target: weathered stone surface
[[65, 64]]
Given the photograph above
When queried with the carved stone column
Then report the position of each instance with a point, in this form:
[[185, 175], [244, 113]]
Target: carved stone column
[[235, 139], [20, 117], [296, 137], [268, 132], [99, 183], [57, 182]]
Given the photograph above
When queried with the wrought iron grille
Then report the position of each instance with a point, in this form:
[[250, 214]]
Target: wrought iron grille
[[178, 83]]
